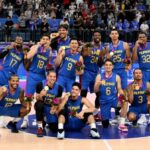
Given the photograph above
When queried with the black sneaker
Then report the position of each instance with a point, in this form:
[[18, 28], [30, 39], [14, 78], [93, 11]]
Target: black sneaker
[[12, 125]]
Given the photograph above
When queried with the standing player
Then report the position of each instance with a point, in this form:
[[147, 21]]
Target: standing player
[[73, 116], [92, 62], [141, 54], [8, 96], [62, 39], [138, 97], [108, 84], [40, 55], [14, 56], [67, 62], [44, 105]]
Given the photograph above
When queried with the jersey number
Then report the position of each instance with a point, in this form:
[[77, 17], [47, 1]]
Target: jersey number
[[117, 58], [94, 59], [13, 63], [146, 58], [140, 99], [69, 67], [40, 64], [108, 91]]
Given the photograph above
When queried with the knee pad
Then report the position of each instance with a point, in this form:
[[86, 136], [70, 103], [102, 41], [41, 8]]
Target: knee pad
[[105, 123]]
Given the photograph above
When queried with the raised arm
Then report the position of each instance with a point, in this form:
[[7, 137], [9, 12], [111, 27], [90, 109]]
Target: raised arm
[[59, 57]]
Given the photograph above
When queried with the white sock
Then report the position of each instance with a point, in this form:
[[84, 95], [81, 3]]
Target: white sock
[[60, 126], [16, 119], [122, 120], [39, 124], [93, 125]]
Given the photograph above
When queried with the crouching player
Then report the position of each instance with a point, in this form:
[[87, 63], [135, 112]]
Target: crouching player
[[138, 93], [72, 116], [8, 96], [47, 103]]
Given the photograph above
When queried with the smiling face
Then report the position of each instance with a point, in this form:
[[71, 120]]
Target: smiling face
[[108, 66], [137, 74], [14, 82], [51, 78], [62, 33], [74, 45]]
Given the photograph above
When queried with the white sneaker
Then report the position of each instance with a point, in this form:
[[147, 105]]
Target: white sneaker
[[142, 119], [24, 124], [94, 134], [115, 121], [61, 135]]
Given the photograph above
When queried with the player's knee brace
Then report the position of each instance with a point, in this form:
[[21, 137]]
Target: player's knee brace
[[105, 123], [84, 93], [39, 109]]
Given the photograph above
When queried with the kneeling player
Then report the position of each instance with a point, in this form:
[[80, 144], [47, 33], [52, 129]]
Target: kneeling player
[[8, 96]]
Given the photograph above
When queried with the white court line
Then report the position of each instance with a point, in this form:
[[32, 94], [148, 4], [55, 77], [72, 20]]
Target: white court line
[[107, 144]]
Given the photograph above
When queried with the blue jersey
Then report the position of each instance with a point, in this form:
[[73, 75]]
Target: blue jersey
[[51, 93], [143, 53], [64, 43], [12, 61], [68, 66], [90, 62], [73, 106], [39, 61], [10, 99], [119, 55], [108, 91], [139, 95]]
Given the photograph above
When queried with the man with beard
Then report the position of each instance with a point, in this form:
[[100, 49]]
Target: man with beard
[[8, 96], [14, 56], [62, 40], [92, 61], [138, 93]]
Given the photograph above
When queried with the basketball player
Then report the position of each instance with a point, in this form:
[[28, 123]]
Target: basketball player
[[8, 96], [73, 117], [61, 39], [67, 62], [43, 106], [137, 97], [14, 56], [108, 84], [92, 62], [40, 55]]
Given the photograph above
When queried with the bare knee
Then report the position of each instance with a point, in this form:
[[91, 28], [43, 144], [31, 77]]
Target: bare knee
[[131, 116]]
